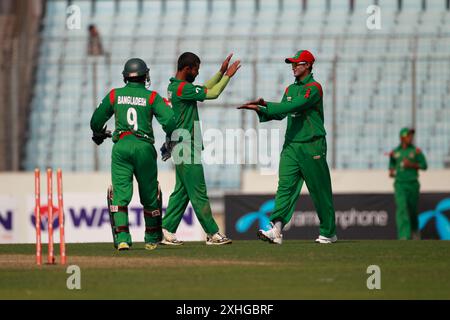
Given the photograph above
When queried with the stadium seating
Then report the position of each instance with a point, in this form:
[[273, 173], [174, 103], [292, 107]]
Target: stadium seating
[[370, 71]]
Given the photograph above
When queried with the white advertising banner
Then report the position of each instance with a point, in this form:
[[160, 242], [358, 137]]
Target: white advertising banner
[[8, 208]]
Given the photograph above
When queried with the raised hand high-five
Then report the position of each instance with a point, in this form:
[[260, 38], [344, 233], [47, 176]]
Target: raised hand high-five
[[233, 68], [225, 63]]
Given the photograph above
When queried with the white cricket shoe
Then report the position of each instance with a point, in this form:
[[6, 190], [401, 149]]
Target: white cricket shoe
[[322, 239], [217, 239], [271, 235], [170, 239]]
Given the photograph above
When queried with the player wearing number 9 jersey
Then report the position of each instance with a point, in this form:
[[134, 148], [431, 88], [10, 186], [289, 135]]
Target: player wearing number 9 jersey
[[133, 107]]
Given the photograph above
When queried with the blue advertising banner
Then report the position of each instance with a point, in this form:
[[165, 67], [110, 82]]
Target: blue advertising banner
[[358, 216]]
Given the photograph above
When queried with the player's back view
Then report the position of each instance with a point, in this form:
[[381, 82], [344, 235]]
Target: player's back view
[[133, 107]]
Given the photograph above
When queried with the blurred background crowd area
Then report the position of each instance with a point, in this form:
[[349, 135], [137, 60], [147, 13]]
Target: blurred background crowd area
[[54, 72]]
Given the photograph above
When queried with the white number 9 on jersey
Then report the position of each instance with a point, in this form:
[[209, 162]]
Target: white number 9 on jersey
[[132, 118]]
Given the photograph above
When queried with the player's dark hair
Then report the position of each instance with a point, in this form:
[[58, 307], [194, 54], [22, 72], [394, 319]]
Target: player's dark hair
[[188, 59], [136, 79]]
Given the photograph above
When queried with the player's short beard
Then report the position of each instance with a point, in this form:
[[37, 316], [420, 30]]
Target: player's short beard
[[190, 78]]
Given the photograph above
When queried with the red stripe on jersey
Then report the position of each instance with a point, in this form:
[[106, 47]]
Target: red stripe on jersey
[[124, 134], [180, 89], [317, 85], [112, 96], [286, 90], [152, 98], [418, 150], [308, 92], [206, 90]]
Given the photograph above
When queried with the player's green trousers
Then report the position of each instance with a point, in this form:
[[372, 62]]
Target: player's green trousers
[[190, 185], [305, 162], [406, 200], [132, 156]]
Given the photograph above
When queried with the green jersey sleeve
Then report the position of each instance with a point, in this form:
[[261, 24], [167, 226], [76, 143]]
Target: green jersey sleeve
[[391, 161], [103, 112], [216, 90], [163, 112], [214, 80], [188, 91], [264, 116], [309, 97], [421, 161]]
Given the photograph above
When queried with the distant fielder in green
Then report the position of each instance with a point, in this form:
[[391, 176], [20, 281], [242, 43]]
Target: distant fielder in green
[[190, 180], [303, 158], [404, 164], [133, 153]]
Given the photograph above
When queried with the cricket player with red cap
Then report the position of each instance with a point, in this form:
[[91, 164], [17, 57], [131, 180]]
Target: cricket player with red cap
[[303, 158]]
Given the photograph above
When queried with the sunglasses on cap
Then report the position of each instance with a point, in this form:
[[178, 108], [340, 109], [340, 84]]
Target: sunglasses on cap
[[296, 64]]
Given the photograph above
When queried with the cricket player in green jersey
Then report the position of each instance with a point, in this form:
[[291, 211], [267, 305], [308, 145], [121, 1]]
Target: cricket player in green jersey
[[190, 180], [404, 164], [303, 158], [133, 153]]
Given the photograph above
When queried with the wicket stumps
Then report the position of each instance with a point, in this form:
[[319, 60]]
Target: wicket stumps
[[37, 214]]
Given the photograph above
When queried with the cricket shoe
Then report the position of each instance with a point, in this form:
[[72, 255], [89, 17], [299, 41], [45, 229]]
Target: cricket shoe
[[217, 239], [170, 239], [151, 246], [325, 240], [123, 246], [271, 235]]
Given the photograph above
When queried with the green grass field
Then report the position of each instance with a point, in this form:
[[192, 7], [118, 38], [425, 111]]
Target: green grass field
[[243, 270]]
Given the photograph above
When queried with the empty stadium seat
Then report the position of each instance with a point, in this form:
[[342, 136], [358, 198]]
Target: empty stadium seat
[[373, 79]]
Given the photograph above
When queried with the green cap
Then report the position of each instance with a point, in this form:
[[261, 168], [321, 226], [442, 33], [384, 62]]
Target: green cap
[[405, 131]]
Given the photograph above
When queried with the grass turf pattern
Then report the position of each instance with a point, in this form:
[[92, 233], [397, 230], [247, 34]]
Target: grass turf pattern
[[243, 270]]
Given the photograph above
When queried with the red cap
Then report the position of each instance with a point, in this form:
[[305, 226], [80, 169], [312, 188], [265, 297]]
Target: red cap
[[301, 56]]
